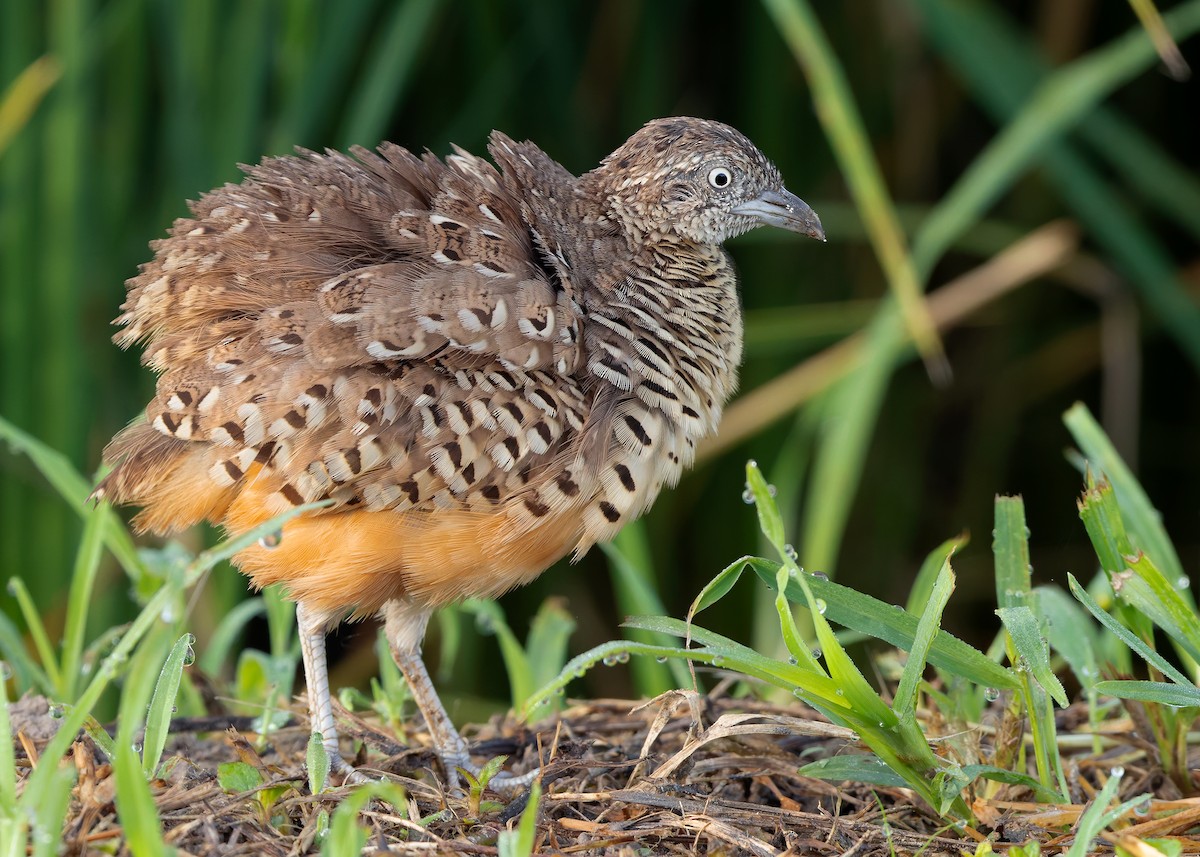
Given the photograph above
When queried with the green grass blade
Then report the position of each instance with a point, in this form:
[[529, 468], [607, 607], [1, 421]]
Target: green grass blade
[[893, 625], [79, 600], [1177, 695], [1024, 629], [967, 39], [857, 768], [1010, 547], [930, 572], [317, 762], [632, 570], [24, 669], [1070, 633], [8, 763], [135, 806], [1125, 635], [839, 116], [490, 618], [41, 640], [907, 695], [162, 703], [546, 646], [220, 645], [520, 842], [49, 809], [1143, 521], [72, 487]]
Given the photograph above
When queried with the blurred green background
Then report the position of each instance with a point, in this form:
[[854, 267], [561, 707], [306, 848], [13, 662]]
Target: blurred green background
[[972, 125]]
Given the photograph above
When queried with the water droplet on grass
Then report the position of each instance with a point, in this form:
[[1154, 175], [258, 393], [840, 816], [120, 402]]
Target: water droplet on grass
[[271, 540]]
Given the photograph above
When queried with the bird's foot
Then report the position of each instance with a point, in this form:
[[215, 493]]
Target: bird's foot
[[456, 758], [350, 775]]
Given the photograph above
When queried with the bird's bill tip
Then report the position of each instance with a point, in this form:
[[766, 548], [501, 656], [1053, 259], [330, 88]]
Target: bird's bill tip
[[783, 209]]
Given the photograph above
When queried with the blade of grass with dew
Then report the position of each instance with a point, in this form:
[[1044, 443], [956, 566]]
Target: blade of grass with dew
[[162, 703], [1177, 695], [1143, 521], [895, 626], [907, 692], [1025, 650], [1125, 635], [855, 768], [632, 568], [1148, 597]]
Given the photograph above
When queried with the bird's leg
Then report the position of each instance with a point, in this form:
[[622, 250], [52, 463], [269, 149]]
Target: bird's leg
[[404, 624], [312, 625]]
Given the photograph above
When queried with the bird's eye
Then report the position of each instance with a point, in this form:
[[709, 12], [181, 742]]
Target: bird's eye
[[719, 177]]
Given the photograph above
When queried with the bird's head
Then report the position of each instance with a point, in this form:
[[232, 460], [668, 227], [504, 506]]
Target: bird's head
[[699, 180]]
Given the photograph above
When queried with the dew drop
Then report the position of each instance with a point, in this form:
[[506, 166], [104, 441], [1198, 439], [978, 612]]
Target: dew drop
[[841, 692], [189, 655], [622, 657], [168, 614], [1142, 809], [772, 490], [718, 660], [271, 540], [1184, 582], [817, 654], [5, 671], [559, 691], [137, 748], [793, 661], [1117, 771], [798, 693], [13, 588], [821, 606], [820, 575], [991, 694], [748, 496], [790, 552], [57, 711], [609, 660], [661, 659]]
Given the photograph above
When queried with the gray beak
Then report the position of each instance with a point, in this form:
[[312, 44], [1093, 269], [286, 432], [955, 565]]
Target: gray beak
[[783, 209]]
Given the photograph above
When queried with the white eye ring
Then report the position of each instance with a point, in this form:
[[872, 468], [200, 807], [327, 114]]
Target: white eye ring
[[720, 178]]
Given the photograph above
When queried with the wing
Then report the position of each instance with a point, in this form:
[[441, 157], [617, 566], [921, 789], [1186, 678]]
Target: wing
[[381, 330]]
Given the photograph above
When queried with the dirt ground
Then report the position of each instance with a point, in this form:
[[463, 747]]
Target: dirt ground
[[681, 774]]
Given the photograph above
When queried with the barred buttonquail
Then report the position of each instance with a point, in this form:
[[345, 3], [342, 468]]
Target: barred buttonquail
[[482, 368]]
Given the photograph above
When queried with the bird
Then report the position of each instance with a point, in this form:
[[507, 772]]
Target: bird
[[478, 366]]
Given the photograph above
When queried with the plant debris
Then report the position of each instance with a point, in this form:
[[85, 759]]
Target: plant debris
[[681, 774]]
